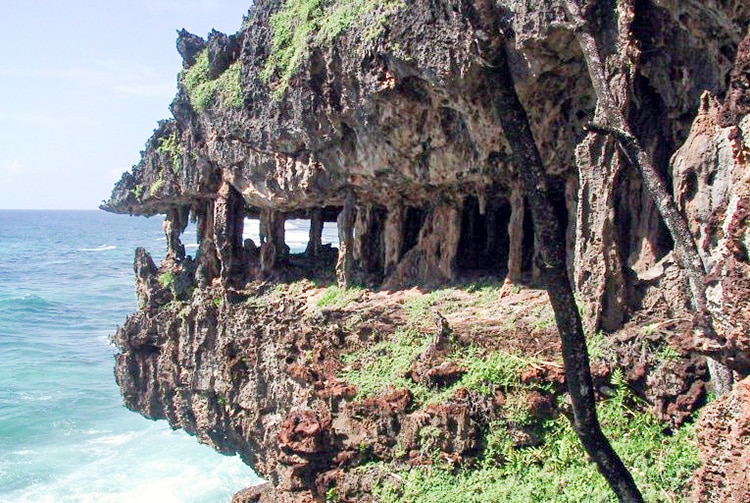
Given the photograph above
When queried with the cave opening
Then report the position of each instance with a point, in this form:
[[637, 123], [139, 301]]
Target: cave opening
[[413, 222], [484, 245]]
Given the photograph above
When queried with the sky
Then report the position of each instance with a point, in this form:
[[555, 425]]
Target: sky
[[82, 87]]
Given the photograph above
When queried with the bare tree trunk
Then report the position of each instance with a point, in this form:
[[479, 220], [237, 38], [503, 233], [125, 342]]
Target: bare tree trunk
[[515, 236], [551, 261], [616, 124]]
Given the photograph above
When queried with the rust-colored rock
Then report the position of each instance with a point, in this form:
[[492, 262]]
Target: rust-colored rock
[[396, 137], [724, 439]]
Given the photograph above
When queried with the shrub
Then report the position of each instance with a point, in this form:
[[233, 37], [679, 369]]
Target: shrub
[[166, 279], [154, 188], [171, 146], [203, 91], [138, 192], [300, 24]]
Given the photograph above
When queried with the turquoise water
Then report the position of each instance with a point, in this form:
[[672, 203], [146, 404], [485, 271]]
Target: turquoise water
[[66, 282]]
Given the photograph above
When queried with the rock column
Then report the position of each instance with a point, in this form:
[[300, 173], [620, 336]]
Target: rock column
[[368, 242], [273, 250], [345, 263], [315, 243], [229, 215], [393, 237], [208, 265], [175, 223]]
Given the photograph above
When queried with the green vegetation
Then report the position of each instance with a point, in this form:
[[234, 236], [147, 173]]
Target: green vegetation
[[154, 188], [171, 146], [557, 470], [301, 24], [335, 297], [166, 279], [332, 495], [138, 192], [597, 346], [385, 365], [203, 91], [451, 300], [667, 352]]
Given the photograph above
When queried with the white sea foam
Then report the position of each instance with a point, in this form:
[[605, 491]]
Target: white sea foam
[[98, 248], [29, 397], [114, 440], [65, 436]]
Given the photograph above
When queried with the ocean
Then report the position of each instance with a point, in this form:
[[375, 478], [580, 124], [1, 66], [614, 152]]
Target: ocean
[[66, 283]]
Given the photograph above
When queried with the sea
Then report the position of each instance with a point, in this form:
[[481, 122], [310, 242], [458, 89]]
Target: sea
[[66, 283]]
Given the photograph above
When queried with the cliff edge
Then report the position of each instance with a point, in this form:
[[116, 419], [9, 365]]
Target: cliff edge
[[421, 335]]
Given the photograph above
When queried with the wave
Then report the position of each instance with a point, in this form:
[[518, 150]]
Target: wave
[[28, 397], [28, 300], [98, 248]]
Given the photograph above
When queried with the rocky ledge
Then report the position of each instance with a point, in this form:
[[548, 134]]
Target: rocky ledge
[[388, 118]]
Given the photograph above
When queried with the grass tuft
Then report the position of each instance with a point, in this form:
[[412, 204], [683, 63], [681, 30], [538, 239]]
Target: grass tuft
[[335, 297]]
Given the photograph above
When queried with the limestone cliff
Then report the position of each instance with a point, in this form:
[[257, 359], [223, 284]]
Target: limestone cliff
[[382, 116]]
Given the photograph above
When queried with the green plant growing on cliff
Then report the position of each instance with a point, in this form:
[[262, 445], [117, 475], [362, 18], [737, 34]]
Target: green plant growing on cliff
[[166, 279], [170, 146], [204, 91], [138, 192], [332, 495], [335, 297], [383, 365], [158, 184], [302, 24], [557, 469]]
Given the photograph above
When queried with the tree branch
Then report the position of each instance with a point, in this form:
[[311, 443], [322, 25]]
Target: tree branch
[[548, 237], [617, 126]]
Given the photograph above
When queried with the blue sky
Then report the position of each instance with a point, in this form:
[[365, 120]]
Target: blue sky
[[82, 86]]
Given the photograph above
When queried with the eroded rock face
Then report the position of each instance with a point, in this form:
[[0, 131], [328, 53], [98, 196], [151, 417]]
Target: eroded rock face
[[724, 437], [258, 376], [712, 184], [397, 137], [405, 122]]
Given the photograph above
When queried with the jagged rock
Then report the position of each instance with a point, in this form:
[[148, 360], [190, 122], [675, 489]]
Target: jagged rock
[[148, 290], [397, 135], [189, 46], [724, 439], [223, 50]]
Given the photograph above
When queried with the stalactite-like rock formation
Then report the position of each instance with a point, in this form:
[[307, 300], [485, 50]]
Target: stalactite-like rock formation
[[390, 129]]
